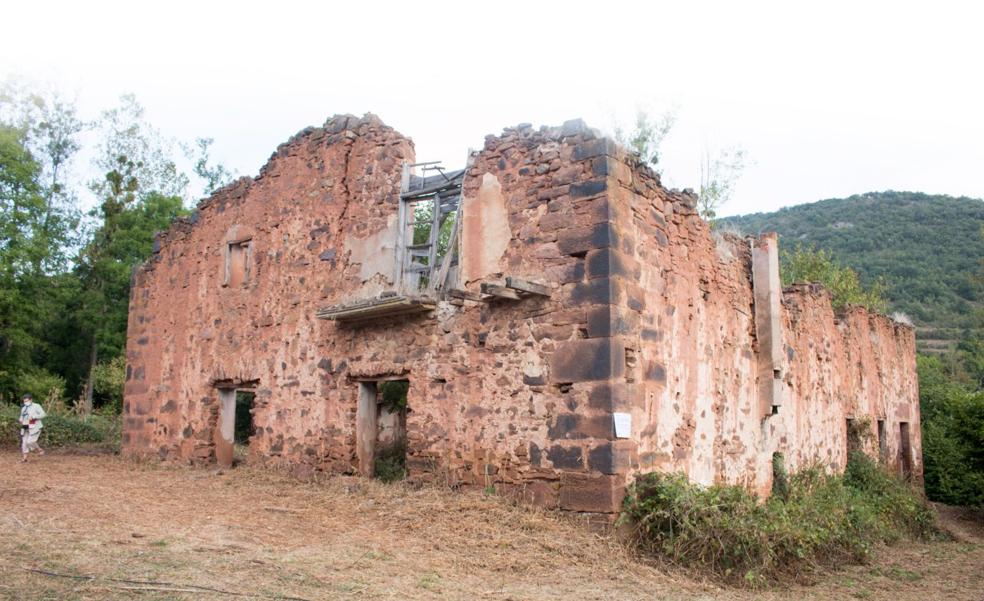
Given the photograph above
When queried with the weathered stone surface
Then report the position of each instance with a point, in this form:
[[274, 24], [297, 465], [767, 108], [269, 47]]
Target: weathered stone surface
[[768, 319], [595, 148], [592, 493], [579, 240], [566, 458], [585, 189], [615, 457], [608, 262], [612, 320], [485, 232], [577, 425], [587, 360]]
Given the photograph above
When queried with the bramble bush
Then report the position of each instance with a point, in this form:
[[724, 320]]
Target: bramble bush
[[821, 520]]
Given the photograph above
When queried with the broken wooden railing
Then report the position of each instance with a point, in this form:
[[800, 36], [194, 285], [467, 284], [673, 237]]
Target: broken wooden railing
[[385, 305], [390, 304], [513, 289]]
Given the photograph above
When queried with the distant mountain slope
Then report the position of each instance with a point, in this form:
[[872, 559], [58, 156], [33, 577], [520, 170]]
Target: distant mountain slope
[[927, 248]]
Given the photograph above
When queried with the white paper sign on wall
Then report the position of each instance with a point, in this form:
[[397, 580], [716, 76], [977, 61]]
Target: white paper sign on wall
[[623, 425]]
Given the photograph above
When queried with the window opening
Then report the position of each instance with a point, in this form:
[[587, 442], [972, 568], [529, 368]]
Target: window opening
[[429, 225], [237, 263]]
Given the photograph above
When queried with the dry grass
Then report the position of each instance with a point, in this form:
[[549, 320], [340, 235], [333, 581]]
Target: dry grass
[[265, 535]]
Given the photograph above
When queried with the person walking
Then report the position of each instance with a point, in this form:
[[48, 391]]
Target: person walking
[[30, 419]]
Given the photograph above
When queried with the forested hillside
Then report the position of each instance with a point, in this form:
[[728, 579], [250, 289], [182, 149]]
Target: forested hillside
[[927, 249]]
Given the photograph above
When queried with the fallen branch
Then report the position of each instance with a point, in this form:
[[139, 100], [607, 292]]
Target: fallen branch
[[169, 589], [174, 587]]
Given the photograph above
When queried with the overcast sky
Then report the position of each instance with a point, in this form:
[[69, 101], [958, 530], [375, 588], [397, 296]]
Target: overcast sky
[[827, 98]]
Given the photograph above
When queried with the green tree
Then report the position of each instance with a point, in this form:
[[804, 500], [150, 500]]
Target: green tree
[[808, 265], [51, 133], [64, 289], [926, 248], [20, 206], [38, 219], [952, 436], [123, 241], [140, 194], [646, 136], [718, 177], [215, 175], [718, 174], [133, 158]]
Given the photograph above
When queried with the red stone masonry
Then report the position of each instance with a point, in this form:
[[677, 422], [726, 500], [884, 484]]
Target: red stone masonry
[[650, 315]]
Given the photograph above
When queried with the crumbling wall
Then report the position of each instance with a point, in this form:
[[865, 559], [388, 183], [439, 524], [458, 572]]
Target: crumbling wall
[[729, 374], [317, 219], [650, 317], [859, 365], [509, 393]]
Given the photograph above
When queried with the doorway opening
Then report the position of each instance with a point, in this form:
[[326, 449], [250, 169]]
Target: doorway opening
[[882, 443], [381, 429], [234, 424], [905, 448], [244, 428], [853, 429]]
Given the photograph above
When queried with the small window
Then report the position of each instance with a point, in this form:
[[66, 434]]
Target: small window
[[882, 443], [780, 477], [237, 263]]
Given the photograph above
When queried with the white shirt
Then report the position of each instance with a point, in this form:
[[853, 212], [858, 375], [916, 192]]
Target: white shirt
[[32, 412]]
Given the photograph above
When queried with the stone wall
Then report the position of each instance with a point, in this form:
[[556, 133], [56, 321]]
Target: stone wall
[[483, 405], [317, 220], [730, 372], [649, 315]]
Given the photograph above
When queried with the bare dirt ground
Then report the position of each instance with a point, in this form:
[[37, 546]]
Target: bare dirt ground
[[257, 534]]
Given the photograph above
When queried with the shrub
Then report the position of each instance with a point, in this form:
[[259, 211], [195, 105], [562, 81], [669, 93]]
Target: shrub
[[390, 462], [63, 430], [43, 385], [952, 436], [107, 383], [899, 510], [822, 521], [808, 265]]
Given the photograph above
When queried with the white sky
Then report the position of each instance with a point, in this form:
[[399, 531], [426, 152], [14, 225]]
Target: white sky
[[827, 98]]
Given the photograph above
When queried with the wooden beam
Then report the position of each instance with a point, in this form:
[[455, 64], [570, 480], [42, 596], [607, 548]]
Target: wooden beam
[[442, 276], [401, 231], [365, 429], [378, 307], [527, 287], [500, 292], [435, 238], [464, 294]]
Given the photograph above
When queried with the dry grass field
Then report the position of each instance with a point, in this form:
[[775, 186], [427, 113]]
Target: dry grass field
[[97, 527]]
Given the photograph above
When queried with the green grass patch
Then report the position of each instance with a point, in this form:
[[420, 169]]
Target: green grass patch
[[821, 520]]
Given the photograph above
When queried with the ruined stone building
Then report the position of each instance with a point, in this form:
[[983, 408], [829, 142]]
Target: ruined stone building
[[562, 321]]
